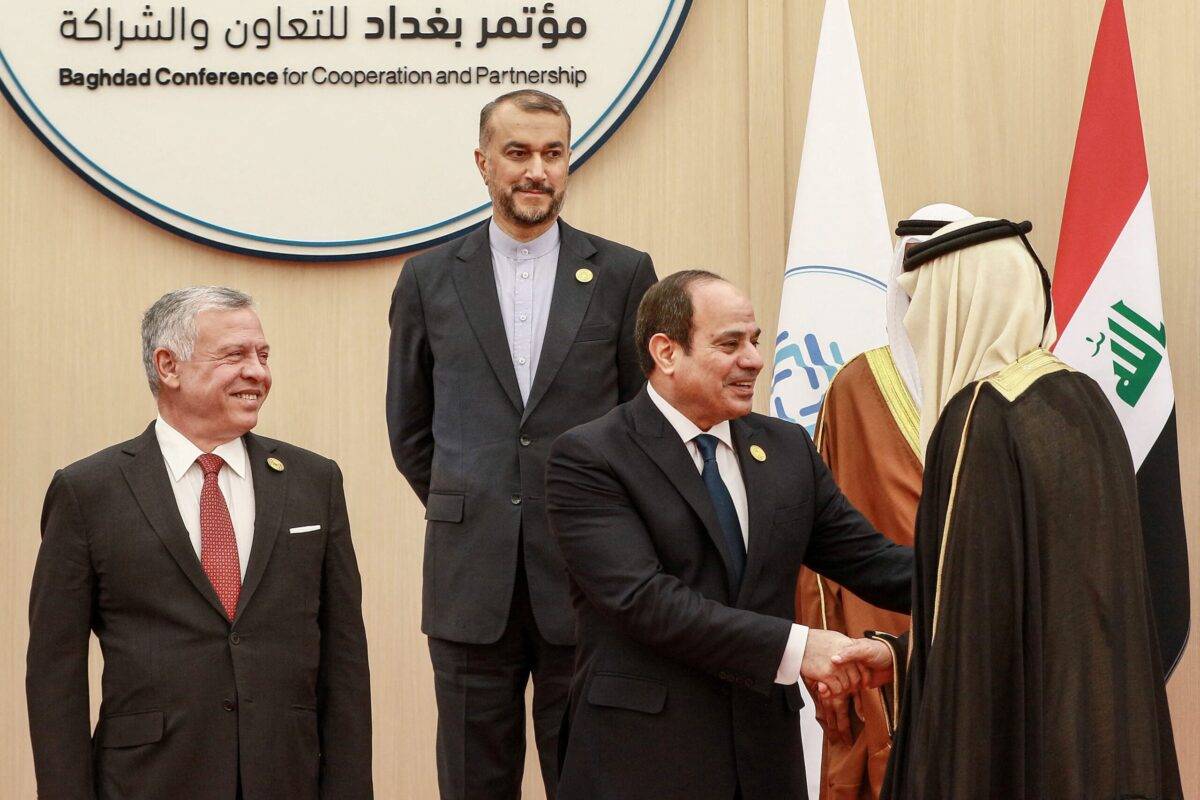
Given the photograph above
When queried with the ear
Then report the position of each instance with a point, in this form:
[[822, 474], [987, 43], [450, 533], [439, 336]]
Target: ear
[[167, 367], [481, 163], [665, 353]]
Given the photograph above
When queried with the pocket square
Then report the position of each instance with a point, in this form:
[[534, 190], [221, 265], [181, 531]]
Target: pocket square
[[305, 529]]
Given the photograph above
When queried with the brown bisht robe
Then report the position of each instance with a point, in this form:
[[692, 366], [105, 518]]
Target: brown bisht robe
[[1034, 669], [867, 433]]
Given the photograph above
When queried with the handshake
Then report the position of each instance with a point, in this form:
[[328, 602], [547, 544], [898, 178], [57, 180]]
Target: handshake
[[837, 669]]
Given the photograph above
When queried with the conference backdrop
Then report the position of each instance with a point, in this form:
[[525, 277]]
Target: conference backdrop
[[972, 103]]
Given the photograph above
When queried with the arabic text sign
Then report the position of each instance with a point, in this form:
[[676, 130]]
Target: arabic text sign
[[308, 131]]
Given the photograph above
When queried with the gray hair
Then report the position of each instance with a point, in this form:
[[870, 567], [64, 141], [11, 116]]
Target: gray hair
[[171, 322], [526, 100]]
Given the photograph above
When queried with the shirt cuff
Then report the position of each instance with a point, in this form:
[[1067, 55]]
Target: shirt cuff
[[793, 655]]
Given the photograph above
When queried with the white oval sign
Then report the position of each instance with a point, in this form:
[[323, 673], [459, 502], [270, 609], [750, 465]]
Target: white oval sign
[[313, 132]]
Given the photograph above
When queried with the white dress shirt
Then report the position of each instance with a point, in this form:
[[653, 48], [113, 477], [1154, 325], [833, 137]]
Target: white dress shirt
[[525, 284], [731, 473], [187, 479]]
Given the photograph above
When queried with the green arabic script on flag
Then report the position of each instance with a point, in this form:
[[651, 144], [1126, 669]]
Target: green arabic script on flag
[[1135, 358]]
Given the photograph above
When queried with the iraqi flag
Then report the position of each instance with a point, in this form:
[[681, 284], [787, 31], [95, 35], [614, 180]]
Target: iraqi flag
[[1108, 306], [839, 256]]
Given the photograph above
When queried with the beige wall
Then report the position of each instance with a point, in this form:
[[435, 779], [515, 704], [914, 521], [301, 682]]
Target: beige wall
[[972, 102]]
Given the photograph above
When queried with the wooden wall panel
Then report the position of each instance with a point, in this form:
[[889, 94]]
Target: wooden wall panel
[[971, 103]]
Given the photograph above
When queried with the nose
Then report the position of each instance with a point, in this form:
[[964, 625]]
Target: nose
[[535, 168], [254, 369], [751, 359]]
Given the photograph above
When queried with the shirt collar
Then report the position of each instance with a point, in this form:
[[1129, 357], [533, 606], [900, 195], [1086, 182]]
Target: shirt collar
[[179, 452], [687, 429], [510, 248]]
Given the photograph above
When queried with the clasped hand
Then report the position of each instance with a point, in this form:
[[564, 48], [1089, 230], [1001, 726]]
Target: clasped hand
[[837, 669]]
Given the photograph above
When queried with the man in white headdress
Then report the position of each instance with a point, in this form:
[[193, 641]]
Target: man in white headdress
[[868, 434], [1032, 668]]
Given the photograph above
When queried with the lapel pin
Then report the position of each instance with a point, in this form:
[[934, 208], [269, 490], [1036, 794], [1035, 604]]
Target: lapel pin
[[584, 275], [758, 453], [277, 465]]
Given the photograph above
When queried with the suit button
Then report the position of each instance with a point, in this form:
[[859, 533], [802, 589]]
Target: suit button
[[235, 638], [228, 705], [515, 499], [525, 440]]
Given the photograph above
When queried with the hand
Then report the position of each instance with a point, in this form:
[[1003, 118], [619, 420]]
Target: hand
[[873, 657], [833, 712], [817, 665]]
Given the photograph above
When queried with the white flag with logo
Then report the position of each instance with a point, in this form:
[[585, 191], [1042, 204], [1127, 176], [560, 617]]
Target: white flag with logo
[[839, 253]]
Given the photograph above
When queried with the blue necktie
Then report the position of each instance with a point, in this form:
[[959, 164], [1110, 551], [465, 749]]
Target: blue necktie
[[723, 505]]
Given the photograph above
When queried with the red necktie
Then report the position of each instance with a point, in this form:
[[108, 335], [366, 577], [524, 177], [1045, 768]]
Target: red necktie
[[218, 544]]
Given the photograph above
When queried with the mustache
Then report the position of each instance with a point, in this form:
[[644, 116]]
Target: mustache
[[533, 187]]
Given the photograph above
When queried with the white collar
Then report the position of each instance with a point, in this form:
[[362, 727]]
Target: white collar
[[179, 452], [510, 248], [687, 429]]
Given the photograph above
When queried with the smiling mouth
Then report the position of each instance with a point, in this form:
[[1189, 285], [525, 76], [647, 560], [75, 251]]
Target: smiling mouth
[[247, 395], [743, 386]]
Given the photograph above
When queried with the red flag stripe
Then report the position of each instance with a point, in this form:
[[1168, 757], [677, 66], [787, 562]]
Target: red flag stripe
[[1108, 172]]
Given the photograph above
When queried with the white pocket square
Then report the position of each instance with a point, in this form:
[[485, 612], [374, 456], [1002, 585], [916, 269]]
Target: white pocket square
[[305, 529]]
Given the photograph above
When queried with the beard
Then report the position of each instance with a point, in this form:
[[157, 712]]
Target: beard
[[506, 204]]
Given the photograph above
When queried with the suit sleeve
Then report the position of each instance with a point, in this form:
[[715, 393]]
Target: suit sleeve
[[846, 547], [410, 385], [344, 681], [56, 677], [612, 559], [630, 378]]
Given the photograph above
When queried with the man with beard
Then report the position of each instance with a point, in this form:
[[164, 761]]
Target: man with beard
[[501, 341]]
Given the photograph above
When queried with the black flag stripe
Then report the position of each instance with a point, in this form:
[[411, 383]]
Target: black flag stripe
[[1165, 542]]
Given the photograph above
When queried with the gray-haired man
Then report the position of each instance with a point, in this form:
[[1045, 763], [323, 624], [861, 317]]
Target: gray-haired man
[[216, 568]]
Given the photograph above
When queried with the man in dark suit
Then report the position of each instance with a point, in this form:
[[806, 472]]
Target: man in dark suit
[[216, 568], [500, 342], [684, 520]]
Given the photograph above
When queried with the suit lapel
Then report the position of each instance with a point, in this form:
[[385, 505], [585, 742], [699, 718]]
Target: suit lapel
[[270, 491], [568, 304], [476, 286], [660, 442], [758, 498], [146, 473]]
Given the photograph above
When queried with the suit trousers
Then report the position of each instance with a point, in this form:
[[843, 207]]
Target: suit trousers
[[480, 690]]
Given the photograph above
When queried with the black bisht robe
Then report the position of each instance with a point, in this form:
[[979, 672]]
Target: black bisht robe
[[1044, 677]]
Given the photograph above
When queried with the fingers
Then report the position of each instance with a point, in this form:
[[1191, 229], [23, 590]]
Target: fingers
[[835, 717]]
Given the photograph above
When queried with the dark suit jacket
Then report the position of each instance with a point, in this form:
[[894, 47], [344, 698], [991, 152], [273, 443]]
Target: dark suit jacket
[[281, 694], [674, 695], [470, 449]]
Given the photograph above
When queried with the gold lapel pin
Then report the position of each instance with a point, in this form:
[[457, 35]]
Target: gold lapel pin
[[758, 453], [277, 465], [584, 275]]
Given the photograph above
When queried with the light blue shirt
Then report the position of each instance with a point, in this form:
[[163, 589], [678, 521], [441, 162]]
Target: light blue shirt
[[525, 284]]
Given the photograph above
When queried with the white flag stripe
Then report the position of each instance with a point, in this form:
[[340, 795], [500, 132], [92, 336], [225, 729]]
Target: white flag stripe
[[1130, 276]]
